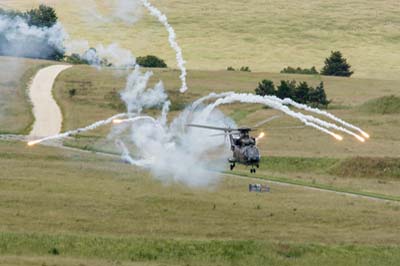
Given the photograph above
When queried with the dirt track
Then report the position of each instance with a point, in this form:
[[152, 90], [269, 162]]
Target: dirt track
[[48, 117]]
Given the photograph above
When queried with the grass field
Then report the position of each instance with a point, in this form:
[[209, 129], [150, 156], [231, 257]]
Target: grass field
[[265, 35], [373, 167], [89, 209], [68, 207], [15, 112]]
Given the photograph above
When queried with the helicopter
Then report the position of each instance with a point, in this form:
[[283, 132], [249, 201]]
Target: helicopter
[[242, 145]]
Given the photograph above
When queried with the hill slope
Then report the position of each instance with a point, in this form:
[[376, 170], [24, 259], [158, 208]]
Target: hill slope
[[265, 35]]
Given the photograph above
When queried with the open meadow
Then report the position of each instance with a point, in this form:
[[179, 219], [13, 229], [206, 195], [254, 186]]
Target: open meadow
[[76, 207], [264, 35], [67, 207]]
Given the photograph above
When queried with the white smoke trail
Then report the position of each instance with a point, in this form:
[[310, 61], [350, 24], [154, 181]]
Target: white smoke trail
[[306, 119], [185, 115], [79, 130], [289, 101], [172, 41]]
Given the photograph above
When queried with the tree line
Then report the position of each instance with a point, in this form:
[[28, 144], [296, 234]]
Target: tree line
[[299, 92], [335, 65]]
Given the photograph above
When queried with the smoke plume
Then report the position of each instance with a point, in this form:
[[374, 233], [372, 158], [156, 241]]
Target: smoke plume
[[17, 38], [172, 41]]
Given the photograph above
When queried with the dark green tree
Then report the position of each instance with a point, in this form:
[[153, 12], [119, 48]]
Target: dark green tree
[[151, 61], [317, 96], [266, 87], [336, 65], [44, 16], [286, 89], [301, 92]]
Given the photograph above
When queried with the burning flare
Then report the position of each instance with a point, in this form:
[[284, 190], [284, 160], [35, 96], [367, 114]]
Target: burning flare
[[338, 137], [262, 134], [365, 134], [360, 138]]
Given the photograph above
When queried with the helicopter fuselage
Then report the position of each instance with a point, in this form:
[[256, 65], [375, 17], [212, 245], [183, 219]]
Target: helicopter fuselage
[[244, 151]]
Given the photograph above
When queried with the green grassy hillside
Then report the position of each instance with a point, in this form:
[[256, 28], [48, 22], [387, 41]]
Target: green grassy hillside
[[265, 35]]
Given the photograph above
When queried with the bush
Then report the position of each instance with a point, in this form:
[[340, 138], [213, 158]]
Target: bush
[[336, 65], [72, 92], [245, 69], [75, 59], [151, 61], [266, 87], [230, 68], [305, 71]]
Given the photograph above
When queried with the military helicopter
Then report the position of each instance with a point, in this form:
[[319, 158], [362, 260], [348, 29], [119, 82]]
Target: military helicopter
[[242, 145]]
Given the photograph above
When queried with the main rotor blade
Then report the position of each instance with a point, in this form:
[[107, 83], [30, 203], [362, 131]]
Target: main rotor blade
[[266, 120], [223, 134], [214, 128]]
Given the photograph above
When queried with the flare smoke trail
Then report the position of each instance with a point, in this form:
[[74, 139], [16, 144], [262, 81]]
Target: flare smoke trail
[[79, 130], [172, 41], [271, 102], [195, 105], [289, 101]]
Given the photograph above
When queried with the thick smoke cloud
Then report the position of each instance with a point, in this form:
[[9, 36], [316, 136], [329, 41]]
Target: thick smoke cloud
[[19, 39], [169, 150], [137, 96], [100, 54]]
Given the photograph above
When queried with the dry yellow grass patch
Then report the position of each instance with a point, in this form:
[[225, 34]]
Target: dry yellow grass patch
[[265, 35]]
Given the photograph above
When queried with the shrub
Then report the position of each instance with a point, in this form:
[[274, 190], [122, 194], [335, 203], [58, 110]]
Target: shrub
[[245, 69], [75, 59], [266, 87], [305, 71], [336, 65], [151, 61], [72, 92], [230, 68]]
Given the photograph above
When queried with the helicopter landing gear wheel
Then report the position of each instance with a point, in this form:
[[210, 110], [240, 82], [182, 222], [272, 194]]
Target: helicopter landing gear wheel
[[253, 170], [232, 166]]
